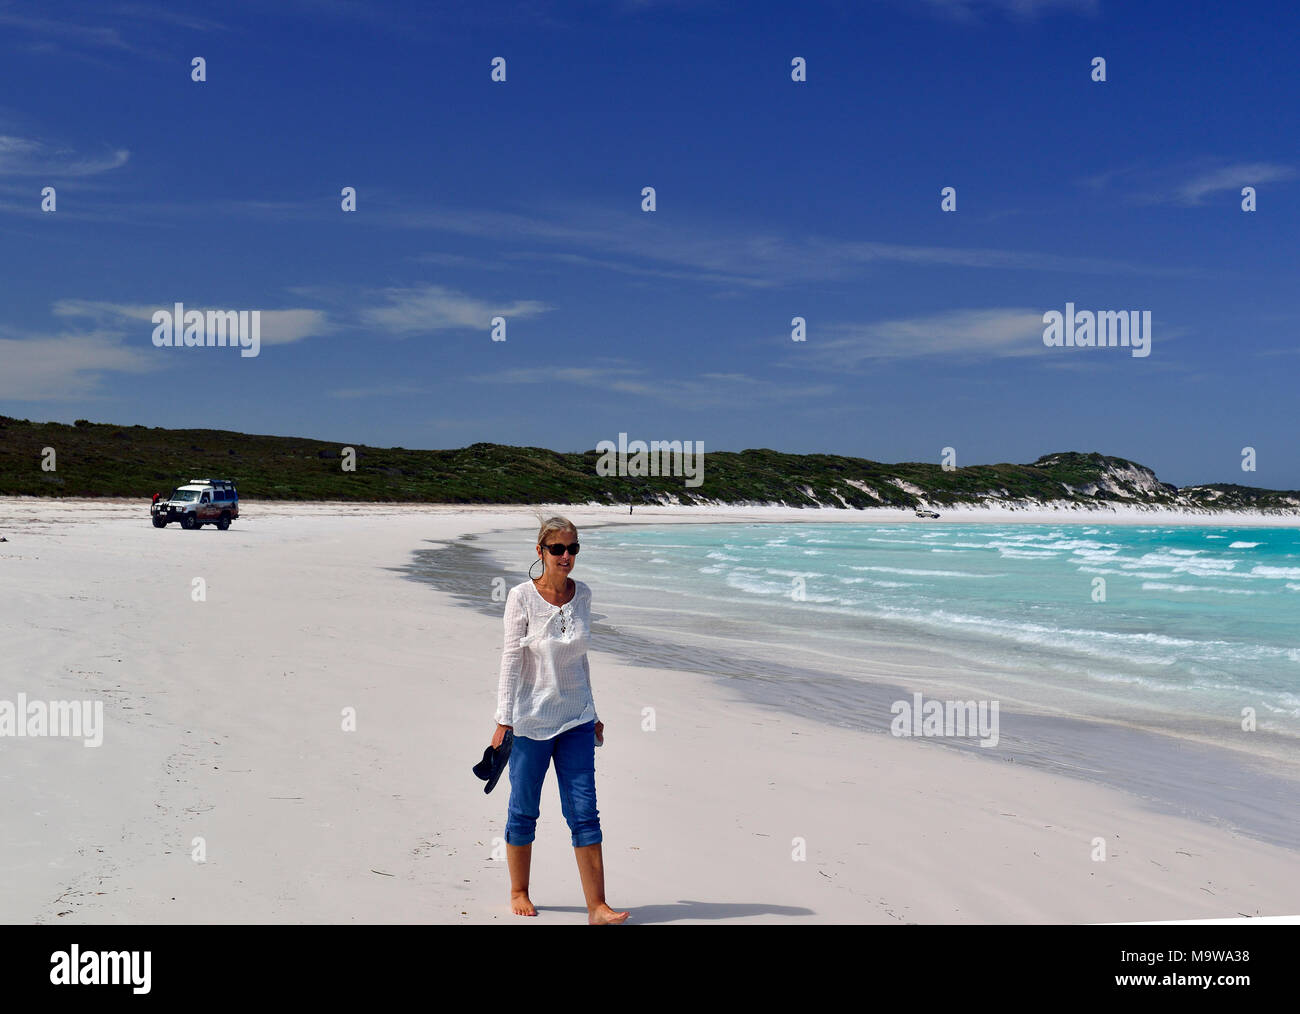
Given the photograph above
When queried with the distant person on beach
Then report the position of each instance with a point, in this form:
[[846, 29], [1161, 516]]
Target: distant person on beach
[[544, 696]]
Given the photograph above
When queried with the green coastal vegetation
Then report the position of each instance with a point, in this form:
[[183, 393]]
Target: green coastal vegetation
[[106, 460]]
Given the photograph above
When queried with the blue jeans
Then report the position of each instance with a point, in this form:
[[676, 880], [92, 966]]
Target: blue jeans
[[574, 752]]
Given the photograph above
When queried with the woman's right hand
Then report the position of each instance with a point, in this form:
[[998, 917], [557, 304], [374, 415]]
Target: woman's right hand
[[499, 736]]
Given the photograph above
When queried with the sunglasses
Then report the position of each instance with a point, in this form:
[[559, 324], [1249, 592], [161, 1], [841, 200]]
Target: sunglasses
[[558, 548]]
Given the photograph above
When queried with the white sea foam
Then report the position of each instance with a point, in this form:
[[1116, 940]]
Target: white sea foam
[[914, 572], [1160, 586], [745, 583], [1097, 554], [1245, 545], [1181, 564], [1291, 573], [1244, 689], [1148, 575], [1118, 646], [1141, 681]]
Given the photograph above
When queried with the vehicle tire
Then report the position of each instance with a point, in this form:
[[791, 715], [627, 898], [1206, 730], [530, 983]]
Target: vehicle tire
[[224, 523], [190, 523], [159, 522]]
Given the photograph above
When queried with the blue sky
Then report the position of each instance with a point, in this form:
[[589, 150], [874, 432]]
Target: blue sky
[[775, 199]]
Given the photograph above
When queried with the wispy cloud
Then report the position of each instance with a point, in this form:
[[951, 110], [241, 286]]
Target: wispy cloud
[[1188, 183], [956, 334], [65, 30], [635, 243], [451, 260], [391, 389], [156, 13], [734, 391], [1232, 178], [74, 362], [69, 34], [23, 156], [425, 308], [975, 10], [67, 366], [278, 327]]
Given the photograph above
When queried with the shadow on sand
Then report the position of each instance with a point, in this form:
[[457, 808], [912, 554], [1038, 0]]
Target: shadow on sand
[[644, 915]]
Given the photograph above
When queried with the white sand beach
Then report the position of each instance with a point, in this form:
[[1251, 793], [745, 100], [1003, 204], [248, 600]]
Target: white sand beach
[[223, 722]]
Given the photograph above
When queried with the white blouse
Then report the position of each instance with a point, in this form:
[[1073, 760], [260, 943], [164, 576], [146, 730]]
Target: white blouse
[[545, 683]]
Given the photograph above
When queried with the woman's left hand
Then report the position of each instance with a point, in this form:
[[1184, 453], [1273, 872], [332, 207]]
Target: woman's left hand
[[600, 733]]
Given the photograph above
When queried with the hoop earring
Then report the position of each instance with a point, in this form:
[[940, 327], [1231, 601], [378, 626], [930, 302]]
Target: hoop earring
[[534, 564]]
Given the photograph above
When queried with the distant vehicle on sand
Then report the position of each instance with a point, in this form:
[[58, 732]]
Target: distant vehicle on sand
[[199, 502]]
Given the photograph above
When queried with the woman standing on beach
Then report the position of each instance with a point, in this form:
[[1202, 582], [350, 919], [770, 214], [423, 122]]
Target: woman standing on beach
[[544, 695]]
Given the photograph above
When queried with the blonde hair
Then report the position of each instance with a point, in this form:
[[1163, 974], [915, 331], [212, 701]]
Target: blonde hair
[[552, 525]]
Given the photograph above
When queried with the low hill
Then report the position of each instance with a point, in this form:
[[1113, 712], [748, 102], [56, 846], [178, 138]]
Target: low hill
[[99, 459]]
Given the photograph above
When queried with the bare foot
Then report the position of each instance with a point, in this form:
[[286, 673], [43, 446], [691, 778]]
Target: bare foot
[[520, 904], [603, 915]]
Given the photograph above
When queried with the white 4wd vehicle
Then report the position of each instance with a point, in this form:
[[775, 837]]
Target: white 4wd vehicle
[[199, 502]]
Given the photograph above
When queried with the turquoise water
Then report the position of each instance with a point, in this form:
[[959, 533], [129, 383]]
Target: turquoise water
[[1197, 623]]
